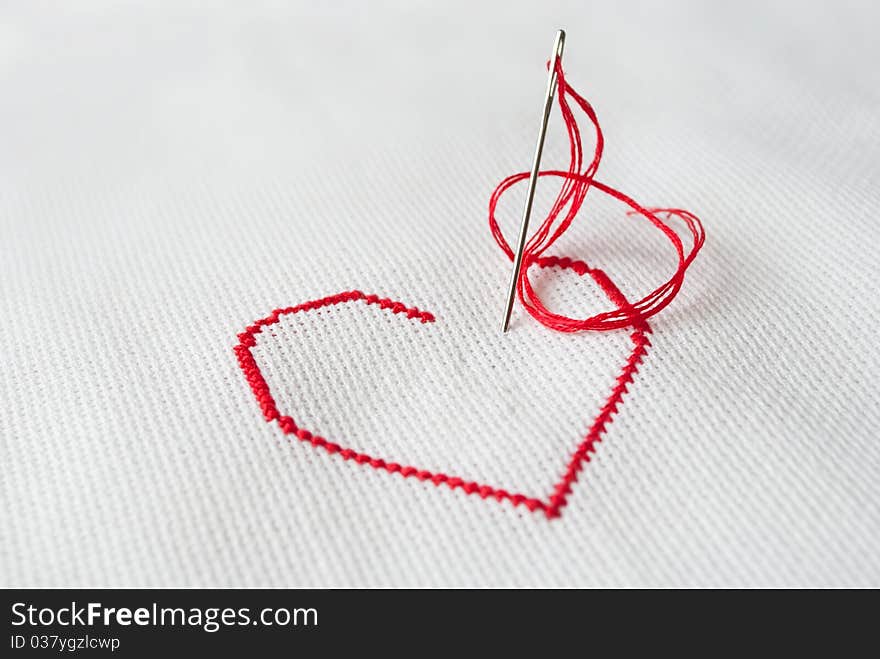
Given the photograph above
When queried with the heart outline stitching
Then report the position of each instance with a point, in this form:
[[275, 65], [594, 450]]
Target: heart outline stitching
[[553, 505]]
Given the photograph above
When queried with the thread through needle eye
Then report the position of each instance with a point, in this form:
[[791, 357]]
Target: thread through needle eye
[[558, 46]]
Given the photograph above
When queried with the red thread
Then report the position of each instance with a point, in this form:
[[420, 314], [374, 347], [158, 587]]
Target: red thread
[[578, 180], [553, 504]]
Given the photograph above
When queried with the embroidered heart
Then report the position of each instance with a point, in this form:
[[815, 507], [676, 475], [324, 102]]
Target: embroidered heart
[[395, 379]]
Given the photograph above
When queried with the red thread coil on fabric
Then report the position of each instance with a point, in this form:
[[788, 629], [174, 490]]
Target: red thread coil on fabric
[[578, 180]]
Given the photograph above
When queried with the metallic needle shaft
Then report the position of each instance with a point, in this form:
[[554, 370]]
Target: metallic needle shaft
[[558, 47]]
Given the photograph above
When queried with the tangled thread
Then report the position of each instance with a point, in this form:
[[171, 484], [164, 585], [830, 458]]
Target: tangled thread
[[578, 180]]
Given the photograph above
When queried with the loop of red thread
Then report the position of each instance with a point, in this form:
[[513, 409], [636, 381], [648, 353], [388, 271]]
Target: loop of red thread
[[578, 180]]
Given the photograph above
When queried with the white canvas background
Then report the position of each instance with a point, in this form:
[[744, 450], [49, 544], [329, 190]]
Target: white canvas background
[[170, 172]]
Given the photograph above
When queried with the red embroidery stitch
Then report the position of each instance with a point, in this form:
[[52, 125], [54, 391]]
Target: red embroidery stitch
[[558, 498]]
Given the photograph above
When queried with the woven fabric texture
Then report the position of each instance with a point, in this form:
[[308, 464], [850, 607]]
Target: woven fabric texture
[[171, 174]]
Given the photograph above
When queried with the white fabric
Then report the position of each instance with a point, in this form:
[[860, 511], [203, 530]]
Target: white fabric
[[169, 174]]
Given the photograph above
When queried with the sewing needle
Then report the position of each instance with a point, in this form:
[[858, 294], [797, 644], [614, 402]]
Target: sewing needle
[[558, 47]]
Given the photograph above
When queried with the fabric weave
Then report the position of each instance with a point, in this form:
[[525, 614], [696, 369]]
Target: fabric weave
[[170, 174]]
